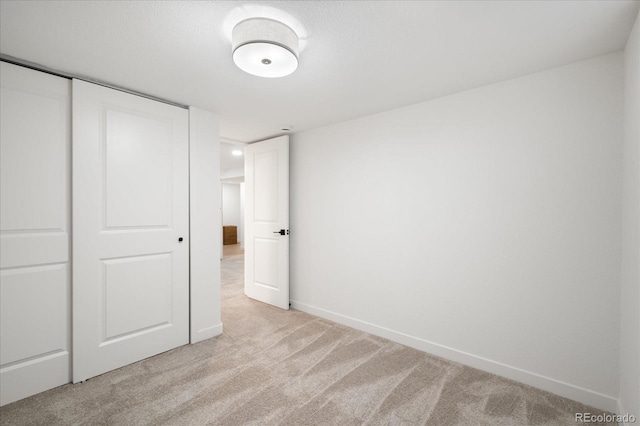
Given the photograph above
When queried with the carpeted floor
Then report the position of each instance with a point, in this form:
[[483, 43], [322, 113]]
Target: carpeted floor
[[290, 368]]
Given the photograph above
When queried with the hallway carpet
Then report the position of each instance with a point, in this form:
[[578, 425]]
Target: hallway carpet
[[272, 367]]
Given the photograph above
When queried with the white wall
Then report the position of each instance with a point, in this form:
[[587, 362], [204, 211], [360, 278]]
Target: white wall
[[241, 228], [232, 174], [483, 227], [205, 224], [230, 204], [232, 207], [630, 294]]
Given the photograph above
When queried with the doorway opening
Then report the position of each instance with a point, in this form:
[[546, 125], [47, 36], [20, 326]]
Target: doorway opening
[[232, 185], [264, 229]]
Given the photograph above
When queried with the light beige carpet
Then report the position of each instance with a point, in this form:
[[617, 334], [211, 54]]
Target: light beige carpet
[[290, 368]]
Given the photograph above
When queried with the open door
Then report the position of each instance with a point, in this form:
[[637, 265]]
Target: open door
[[266, 268]]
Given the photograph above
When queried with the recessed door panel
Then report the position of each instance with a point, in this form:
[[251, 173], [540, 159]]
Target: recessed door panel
[[43, 146], [34, 311], [138, 170], [265, 183], [265, 262], [137, 294]]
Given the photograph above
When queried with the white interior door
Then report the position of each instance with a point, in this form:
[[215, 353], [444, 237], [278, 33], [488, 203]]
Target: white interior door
[[130, 228], [34, 232], [267, 221]]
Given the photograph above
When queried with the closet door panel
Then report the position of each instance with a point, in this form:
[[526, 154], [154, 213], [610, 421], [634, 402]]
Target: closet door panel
[[35, 287], [130, 228]]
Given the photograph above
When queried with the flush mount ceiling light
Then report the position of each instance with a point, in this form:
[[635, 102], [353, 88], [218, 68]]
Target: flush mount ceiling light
[[265, 47], [236, 153]]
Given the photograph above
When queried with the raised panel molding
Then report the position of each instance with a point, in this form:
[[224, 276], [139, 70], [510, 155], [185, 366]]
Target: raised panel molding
[[34, 305], [136, 294], [34, 197], [137, 170], [265, 168], [265, 262]]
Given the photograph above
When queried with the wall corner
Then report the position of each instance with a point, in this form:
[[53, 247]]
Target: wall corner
[[205, 224]]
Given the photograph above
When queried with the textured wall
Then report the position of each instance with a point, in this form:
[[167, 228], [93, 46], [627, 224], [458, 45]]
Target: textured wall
[[483, 226], [630, 294]]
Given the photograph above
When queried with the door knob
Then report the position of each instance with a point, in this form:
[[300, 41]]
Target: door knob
[[282, 232], [180, 239]]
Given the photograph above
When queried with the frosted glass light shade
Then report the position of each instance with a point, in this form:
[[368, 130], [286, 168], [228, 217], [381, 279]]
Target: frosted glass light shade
[[265, 47]]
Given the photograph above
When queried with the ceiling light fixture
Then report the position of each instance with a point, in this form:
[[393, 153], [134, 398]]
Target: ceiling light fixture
[[236, 153], [265, 47]]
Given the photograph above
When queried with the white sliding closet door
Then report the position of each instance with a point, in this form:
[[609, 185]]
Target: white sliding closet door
[[34, 232], [130, 228]]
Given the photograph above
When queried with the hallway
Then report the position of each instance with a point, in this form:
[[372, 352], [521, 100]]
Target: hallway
[[232, 250]]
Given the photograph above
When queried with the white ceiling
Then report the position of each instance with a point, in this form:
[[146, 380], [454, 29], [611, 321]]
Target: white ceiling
[[228, 161], [359, 57]]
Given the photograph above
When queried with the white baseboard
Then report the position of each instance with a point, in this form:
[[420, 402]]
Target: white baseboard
[[206, 333], [567, 390]]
